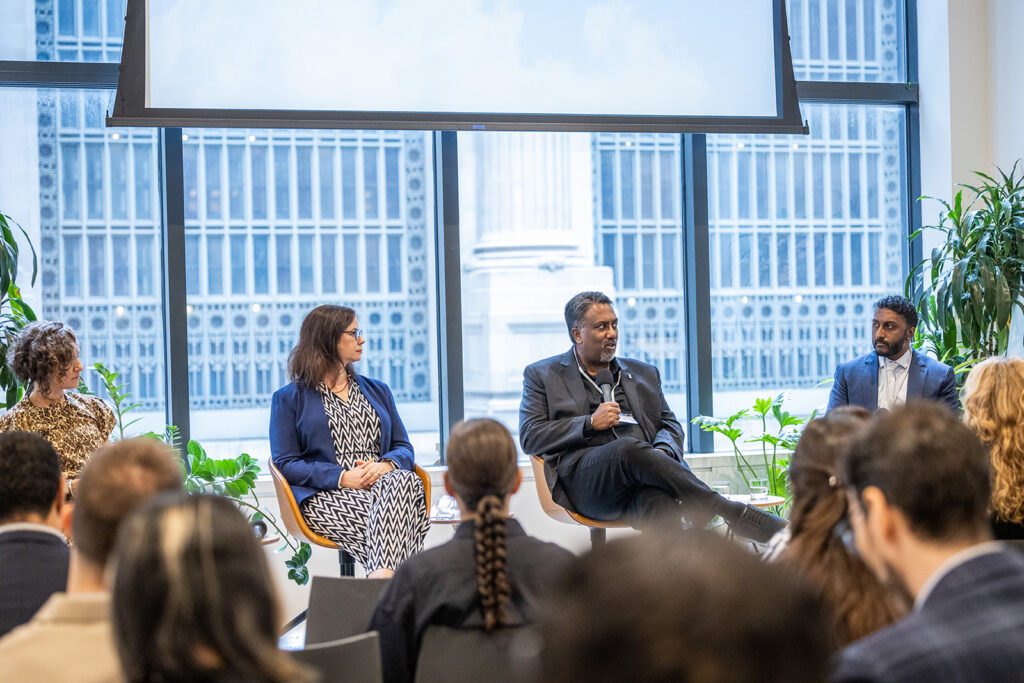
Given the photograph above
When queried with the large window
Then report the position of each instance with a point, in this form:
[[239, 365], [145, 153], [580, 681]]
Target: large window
[[88, 199], [804, 232], [306, 242]]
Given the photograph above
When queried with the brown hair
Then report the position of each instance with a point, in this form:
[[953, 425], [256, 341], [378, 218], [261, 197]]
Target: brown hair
[[680, 605], [482, 469], [40, 351], [192, 597], [994, 409], [857, 601], [116, 480], [316, 354]]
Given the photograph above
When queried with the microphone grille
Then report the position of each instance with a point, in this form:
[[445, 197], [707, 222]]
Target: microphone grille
[[604, 377]]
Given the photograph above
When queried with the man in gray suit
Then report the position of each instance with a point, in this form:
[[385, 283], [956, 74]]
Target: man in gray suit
[[893, 372], [612, 448], [918, 485]]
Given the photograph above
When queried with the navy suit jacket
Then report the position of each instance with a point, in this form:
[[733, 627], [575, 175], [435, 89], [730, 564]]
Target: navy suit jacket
[[301, 444], [856, 382], [970, 628], [33, 566], [555, 407]]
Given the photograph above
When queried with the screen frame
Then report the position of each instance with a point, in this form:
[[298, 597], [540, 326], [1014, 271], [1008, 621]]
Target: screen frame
[[130, 107]]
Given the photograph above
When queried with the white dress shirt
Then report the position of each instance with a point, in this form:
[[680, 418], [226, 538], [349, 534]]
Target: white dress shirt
[[892, 380]]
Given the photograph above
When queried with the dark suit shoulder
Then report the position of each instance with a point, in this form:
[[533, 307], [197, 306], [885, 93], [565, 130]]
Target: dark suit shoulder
[[559, 359]]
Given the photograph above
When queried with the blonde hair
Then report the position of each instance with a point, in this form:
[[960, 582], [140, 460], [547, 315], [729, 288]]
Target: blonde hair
[[994, 410]]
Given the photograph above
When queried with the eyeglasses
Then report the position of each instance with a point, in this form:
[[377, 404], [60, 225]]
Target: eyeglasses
[[356, 334]]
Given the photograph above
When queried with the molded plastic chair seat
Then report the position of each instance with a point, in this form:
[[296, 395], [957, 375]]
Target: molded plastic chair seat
[[340, 607], [354, 660], [451, 655], [555, 511]]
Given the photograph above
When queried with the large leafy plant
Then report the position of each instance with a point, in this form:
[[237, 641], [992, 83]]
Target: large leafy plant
[[966, 289], [234, 478], [778, 432], [14, 312]]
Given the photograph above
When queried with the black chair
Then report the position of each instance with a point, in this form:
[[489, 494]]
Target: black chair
[[340, 607], [452, 655], [353, 660]]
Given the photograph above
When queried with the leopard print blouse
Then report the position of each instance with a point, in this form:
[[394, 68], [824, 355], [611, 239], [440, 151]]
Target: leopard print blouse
[[75, 427]]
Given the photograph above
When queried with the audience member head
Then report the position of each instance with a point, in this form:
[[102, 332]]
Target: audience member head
[[116, 480], [482, 473], [893, 325], [857, 603], [316, 355], [994, 409], [192, 596], [918, 479], [45, 355], [681, 605], [577, 307], [30, 480]]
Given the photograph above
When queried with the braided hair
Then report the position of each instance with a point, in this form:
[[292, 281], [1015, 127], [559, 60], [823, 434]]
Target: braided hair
[[482, 470]]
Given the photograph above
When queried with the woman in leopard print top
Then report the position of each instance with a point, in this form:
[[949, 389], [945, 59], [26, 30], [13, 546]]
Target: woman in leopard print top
[[45, 355]]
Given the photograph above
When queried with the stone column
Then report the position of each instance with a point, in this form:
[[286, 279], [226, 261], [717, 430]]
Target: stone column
[[527, 220]]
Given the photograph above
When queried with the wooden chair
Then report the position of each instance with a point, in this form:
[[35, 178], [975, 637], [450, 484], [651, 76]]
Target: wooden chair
[[355, 659], [291, 515], [556, 511]]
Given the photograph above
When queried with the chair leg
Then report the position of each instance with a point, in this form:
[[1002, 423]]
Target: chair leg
[[347, 562], [597, 537]]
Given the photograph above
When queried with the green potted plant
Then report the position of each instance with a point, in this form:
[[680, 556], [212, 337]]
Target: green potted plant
[[14, 312], [234, 478], [967, 288], [780, 432]]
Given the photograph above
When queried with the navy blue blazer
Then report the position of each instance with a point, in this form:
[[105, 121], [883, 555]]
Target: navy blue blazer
[[856, 382], [970, 628], [301, 445], [33, 566]]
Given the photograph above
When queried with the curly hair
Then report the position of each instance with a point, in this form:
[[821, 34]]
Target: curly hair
[[900, 305], [482, 470], [994, 410], [40, 351], [856, 602]]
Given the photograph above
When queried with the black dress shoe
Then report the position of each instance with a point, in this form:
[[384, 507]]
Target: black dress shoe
[[756, 524]]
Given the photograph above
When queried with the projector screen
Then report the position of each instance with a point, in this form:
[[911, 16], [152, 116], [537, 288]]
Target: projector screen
[[470, 64]]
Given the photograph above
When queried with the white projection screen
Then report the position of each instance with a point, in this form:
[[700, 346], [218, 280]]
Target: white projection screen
[[674, 65]]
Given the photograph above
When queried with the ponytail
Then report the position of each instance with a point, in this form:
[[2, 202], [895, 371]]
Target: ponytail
[[491, 561]]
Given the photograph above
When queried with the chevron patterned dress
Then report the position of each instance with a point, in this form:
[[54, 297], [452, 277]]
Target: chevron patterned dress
[[383, 525]]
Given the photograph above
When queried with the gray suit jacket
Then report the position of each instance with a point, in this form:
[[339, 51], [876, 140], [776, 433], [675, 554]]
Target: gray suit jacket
[[555, 407], [970, 628], [856, 382]]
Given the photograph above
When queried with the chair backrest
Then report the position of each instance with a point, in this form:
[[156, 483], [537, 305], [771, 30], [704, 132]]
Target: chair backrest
[[290, 513], [354, 660], [340, 607], [452, 655]]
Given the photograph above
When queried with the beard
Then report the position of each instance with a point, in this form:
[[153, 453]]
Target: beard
[[607, 355], [889, 350]]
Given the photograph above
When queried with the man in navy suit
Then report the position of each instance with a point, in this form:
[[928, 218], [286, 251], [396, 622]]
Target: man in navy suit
[[893, 373], [918, 486], [618, 456], [33, 551]]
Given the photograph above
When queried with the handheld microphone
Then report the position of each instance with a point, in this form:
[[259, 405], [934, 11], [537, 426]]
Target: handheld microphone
[[605, 380]]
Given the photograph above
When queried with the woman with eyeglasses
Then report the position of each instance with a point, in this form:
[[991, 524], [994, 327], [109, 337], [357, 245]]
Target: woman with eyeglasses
[[337, 438]]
